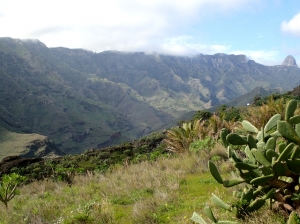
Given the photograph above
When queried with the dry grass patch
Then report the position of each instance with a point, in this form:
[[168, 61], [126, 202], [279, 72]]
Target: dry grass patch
[[129, 194], [164, 191]]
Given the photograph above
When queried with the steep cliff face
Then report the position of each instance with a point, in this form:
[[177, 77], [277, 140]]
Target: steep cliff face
[[80, 99]]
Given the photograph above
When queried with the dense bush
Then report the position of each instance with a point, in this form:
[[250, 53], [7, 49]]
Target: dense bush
[[228, 113], [202, 115]]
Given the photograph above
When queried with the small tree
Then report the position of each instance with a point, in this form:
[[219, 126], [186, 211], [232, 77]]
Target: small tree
[[8, 187]]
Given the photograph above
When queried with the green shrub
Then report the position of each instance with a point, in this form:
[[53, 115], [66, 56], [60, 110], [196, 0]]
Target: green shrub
[[203, 115], [8, 187], [202, 145], [228, 113]]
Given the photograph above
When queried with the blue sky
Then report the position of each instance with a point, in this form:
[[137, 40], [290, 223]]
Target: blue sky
[[264, 30]]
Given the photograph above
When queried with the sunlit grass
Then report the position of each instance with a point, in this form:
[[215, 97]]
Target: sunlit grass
[[168, 190], [12, 143]]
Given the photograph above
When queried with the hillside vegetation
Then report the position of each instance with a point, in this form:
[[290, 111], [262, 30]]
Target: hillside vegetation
[[165, 191], [143, 181]]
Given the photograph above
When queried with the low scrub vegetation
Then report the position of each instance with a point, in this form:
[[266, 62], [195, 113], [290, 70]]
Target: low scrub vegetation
[[167, 190], [164, 177]]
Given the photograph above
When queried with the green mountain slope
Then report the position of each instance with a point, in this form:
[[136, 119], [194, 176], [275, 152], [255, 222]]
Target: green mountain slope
[[83, 100]]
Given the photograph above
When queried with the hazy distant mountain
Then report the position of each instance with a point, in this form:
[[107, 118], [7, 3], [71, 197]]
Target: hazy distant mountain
[[248, 98], [82, 99]]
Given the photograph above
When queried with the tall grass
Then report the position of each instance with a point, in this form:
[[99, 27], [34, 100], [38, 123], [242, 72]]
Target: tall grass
[[126, 194], [167, 190]]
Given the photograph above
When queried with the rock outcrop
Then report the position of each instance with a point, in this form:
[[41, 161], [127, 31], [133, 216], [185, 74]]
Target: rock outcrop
[[289, 61]]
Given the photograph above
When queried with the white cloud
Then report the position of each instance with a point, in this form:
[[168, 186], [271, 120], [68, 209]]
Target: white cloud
[[292, 26], [159, 26], [94, 24], [125, 25], [183, 45], [261, 56]]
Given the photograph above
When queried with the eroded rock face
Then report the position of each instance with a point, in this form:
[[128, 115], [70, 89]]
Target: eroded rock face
[[289, 61]]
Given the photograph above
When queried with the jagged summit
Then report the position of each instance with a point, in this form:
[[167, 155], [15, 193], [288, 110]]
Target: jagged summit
[[289, 61]]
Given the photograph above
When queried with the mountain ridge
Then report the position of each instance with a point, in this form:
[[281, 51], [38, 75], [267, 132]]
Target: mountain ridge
[[82, 99]]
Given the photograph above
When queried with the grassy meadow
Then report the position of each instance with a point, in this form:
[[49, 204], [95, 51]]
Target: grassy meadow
[[167, 190]]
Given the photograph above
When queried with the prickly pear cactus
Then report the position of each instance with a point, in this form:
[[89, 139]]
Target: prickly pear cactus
[[269, 165]]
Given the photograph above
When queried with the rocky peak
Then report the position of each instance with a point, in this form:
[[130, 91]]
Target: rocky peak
[[289, 61]]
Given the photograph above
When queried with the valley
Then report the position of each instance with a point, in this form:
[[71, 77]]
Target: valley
[[83, 100]]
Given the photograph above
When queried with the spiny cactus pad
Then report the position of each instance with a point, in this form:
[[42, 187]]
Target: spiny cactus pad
[[268, 162]]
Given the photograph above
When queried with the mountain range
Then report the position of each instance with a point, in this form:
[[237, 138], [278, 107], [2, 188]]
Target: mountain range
[[82, 99]]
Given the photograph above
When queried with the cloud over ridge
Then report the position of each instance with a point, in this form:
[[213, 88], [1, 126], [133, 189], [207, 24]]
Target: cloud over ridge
[[153, 26]]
